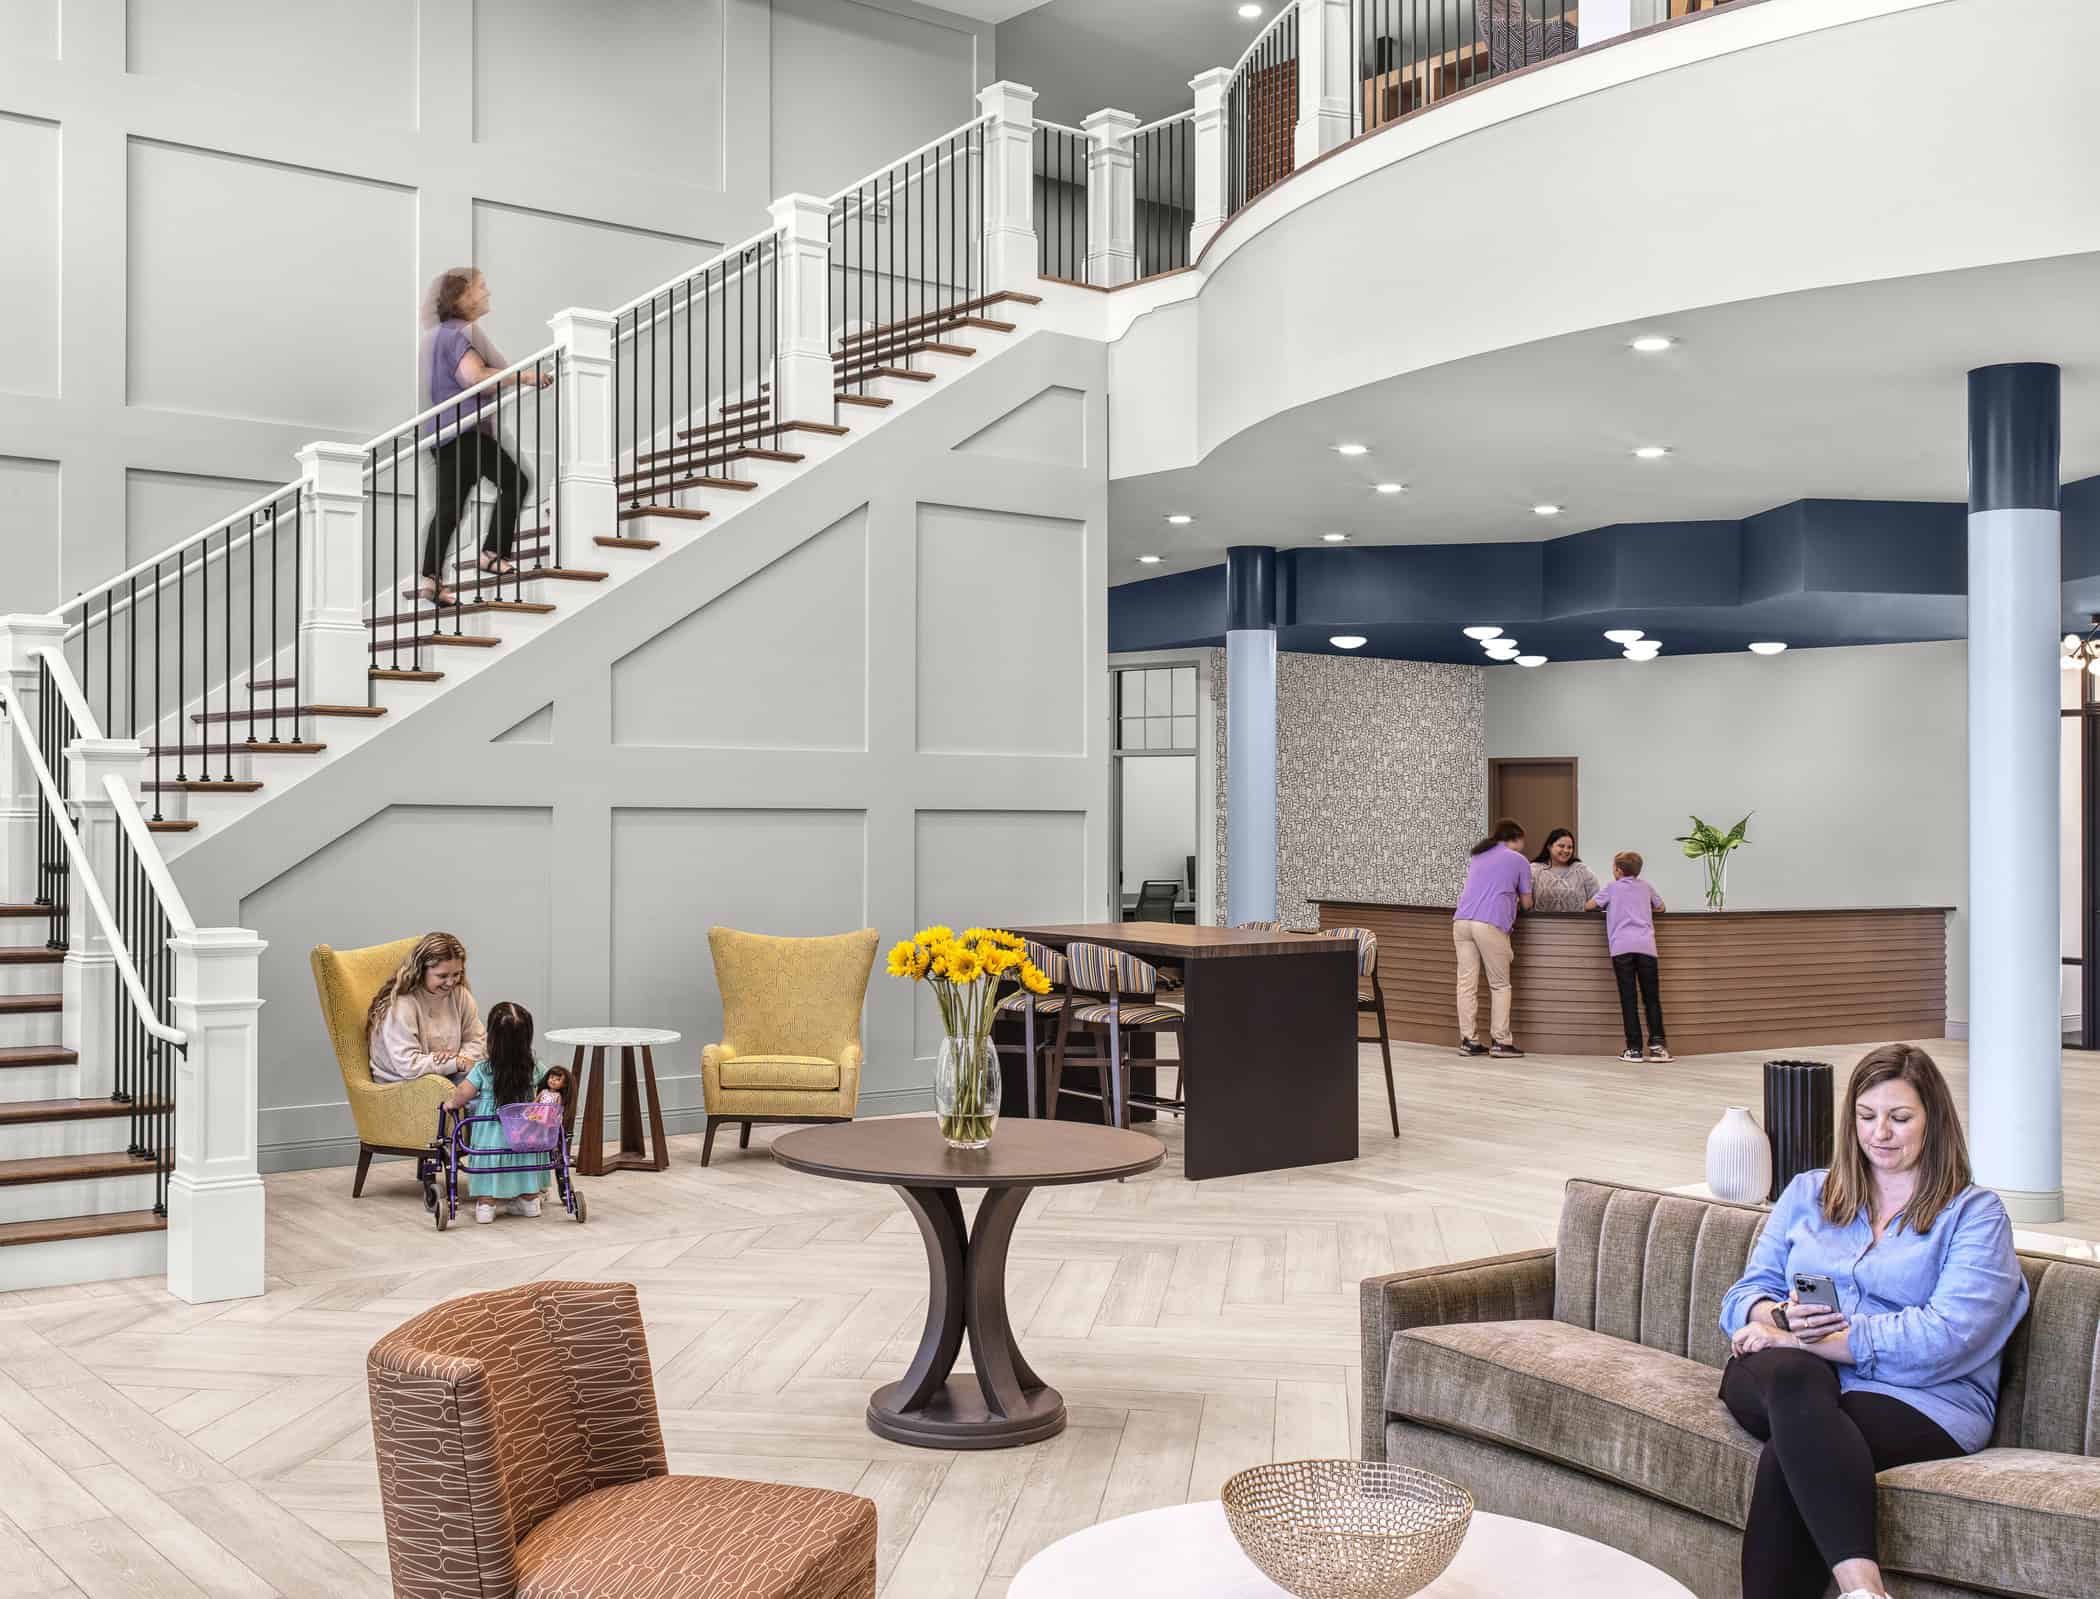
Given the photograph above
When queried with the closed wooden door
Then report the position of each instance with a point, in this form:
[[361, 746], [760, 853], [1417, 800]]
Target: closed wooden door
[[1540, 794]]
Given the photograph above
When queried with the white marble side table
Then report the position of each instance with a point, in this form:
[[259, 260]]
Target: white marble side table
[[590, 1159]]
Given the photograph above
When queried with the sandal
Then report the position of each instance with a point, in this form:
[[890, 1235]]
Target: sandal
[[434, 594], [496, 565]]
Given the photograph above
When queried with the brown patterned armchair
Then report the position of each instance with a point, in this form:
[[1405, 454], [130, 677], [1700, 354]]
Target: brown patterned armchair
[[520, 1457]]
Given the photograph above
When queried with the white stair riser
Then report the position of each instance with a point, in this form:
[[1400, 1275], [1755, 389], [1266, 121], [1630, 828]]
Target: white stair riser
[[24, 932], [42, 978], [40, 1027], [20, 1083], [96, 1197], [95, 1137], [84, 1260]]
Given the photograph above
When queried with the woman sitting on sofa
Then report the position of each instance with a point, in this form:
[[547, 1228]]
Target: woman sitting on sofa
[[1906, 1368]]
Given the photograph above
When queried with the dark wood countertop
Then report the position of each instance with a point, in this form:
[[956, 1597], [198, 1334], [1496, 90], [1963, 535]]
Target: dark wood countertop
[[1696, 910], [1175, 941]]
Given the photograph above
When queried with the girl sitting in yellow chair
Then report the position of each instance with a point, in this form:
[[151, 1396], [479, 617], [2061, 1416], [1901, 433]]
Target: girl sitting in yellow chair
[[423, 1021]]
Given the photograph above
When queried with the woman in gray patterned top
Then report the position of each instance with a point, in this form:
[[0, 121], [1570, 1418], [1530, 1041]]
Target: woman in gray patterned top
[[1559, 880]]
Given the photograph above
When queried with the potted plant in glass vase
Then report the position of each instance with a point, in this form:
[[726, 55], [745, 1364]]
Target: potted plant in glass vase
[[965, 974], [1708, 844]]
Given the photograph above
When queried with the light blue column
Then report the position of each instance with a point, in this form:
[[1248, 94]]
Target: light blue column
[[2015, 973], [1250, 734]]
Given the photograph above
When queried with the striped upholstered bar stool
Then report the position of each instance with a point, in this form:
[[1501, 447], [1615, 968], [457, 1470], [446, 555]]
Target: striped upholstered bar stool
[[1370, 1001], [1109, 996], [1036, 1012]]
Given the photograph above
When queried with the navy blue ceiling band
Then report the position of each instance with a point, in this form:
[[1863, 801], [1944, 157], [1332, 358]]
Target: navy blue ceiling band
[[1250, 587], [2015, 431]]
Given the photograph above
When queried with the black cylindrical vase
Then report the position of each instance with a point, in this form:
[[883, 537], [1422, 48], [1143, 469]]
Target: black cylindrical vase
[[1797, 1118]]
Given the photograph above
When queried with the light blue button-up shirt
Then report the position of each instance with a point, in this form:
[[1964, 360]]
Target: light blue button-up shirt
[[1930, 1311]]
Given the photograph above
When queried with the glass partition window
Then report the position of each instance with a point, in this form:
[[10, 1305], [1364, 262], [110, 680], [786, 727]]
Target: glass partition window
[[1156, 709]]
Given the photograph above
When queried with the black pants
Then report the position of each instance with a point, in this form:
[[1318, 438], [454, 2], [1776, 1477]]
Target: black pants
[[1631, 969], [1813, 1505], [461, 462]]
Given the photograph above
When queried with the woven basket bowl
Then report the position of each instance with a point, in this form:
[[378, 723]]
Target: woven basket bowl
[[1347, 1529]]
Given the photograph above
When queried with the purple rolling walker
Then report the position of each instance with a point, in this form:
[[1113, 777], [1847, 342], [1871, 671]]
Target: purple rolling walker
[[529, 1129]]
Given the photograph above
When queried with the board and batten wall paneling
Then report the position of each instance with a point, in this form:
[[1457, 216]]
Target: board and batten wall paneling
[[1853, 763], [218, 219], [1381, 779]]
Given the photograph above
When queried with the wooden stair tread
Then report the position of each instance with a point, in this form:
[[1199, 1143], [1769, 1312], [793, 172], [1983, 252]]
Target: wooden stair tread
[[625, 544], [685, 458], [33, 955], [291, 710], [28, 1112], [72, 1168], [58, 1229], [875, 401], [25, 910], [861, 374], [203, 786], [171, 827], [635, 513], [960, 310], [471, 608], [456, 641], [284, 746], [390, 674], [560, 574], [904, 347], [270, 684], [37, 1055], [31, 1004], [749, 453], [664, 483]]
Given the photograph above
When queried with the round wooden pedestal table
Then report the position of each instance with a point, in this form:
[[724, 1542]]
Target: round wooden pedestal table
[[1003, 1402], [1188, 1552], [590, 1159]]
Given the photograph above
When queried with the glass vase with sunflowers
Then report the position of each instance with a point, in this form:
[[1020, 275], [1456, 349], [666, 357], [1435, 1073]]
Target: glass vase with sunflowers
[[965, 972]]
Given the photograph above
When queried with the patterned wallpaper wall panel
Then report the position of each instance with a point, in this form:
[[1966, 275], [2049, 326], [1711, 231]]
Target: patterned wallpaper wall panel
[[1381, 779]]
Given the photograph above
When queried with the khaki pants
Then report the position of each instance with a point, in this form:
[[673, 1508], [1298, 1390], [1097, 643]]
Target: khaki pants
[[1482, 945]]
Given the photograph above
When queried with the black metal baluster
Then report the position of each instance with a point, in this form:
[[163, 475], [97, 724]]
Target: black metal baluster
[[251, 628], [276, 659], [226, 653], [158, 710], [131, 661], [182, 649]]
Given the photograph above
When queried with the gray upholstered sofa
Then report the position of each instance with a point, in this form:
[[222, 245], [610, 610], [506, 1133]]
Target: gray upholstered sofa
[[1577, 1386]]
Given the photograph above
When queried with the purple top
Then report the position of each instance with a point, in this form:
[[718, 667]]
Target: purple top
[[449, 345], [1494, 882], [1629, 915]]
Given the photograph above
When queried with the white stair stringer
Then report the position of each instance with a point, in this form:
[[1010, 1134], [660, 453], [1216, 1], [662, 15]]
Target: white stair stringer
[[224, 817]]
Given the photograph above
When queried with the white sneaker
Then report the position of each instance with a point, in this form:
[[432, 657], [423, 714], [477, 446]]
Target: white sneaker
[[527, 1206], [484, 1211], [1862, 1593]]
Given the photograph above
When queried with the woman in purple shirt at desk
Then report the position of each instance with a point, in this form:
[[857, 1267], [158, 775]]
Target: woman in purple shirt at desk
[[1498, 882], [1906, 1368]]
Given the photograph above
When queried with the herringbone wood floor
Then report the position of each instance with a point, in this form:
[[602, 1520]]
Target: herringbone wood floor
[[152, 1448]]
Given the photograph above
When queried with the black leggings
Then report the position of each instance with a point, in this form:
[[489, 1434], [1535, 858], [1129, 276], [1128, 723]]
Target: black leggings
[[1813, 1505], [460, 463]]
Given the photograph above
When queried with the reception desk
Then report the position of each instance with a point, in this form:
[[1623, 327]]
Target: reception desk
[[1730, 979]]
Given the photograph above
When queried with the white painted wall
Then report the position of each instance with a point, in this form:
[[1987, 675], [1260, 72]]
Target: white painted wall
[[217, 216], [1158, 817], [823, 715], [1853, 761]]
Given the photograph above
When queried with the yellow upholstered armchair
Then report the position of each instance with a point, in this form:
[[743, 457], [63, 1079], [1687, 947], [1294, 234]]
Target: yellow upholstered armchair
[[790, 1050], [392, 1118]]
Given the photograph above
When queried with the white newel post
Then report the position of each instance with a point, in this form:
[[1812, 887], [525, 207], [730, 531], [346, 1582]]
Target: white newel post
[[215, 1197], [804, 222], [334, 646], [21, 637], [585, 499], [1009, 184], [1111, 199], [1209, 125], [1324, 78], [89, 976]]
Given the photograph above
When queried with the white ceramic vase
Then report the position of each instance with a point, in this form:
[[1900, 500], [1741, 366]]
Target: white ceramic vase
[[1738, 1157]]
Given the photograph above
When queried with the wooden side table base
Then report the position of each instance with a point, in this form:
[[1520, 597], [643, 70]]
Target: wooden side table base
[[636, 1154]]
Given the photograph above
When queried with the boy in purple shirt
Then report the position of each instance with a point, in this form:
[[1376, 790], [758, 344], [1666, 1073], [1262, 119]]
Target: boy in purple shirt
[[1629, 907]]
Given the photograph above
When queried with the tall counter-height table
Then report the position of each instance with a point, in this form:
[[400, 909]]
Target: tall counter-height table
[[1730, 979], [1269, 1044]]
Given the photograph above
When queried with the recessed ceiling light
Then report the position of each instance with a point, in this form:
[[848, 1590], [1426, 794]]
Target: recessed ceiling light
[[1352, 449], [1348, 641], [1531, 660], [1390, 488], [1652, 343], [1623, 635], [1150, 560], [1249, 13], [1509, 654], [1769, 647], [1643, 652], [1335, 538], [1545, 510], [1483, 633], [1650, 452], [1180, 519]]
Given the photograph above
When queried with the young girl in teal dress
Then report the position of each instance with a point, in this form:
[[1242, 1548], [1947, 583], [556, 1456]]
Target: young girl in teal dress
[[508, 1076]]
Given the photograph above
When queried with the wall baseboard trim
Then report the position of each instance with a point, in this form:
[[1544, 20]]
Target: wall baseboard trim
[[307, 1154]]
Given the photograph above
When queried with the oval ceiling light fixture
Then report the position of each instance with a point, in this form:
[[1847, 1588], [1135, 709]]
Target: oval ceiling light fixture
[[1623, 635], [1150, 560], [1652, 343], [1509, 654], [1179, 519], [1545, 509], [1650, 452], [1388, 488], [1768, 647], [1249, 13], [1352, 449], [1348, 641], [1531, 660], [1643, 652], [1483, 633], [1334, 538]]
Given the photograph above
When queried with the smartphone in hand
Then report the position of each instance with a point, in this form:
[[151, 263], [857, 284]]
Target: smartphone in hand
[[1815, 1289]]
